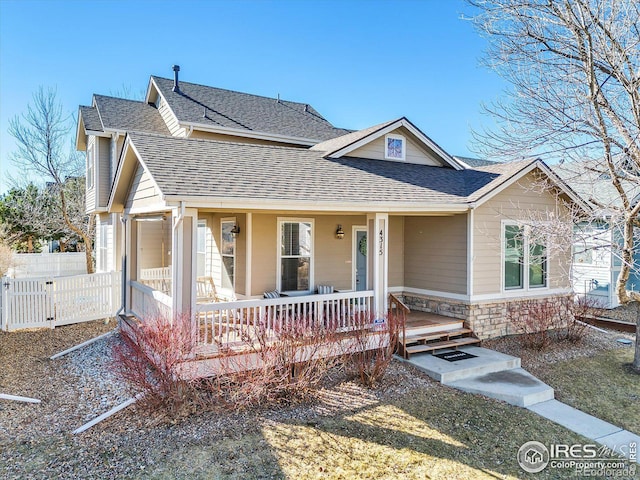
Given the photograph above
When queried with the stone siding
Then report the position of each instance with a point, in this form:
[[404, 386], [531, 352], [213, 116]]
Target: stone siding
[[486, 319]]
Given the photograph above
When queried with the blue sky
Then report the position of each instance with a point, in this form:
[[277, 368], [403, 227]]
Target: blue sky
[[358, 63]]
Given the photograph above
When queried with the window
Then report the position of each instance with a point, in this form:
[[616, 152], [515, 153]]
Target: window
[[525, 258], [295, 262], [394, 147], [228, 253], [90, 166], [201, 248]]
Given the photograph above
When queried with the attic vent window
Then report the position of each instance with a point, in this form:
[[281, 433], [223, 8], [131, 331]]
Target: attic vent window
[[394, 147]]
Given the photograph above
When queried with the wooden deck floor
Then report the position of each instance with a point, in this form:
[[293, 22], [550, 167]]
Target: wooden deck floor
[[425, 319]]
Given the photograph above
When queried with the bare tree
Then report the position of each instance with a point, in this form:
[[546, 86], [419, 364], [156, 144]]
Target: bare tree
[[574, 66], [42, 135]]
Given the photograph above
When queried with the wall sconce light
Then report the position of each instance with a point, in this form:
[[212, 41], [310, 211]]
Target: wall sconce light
[[235, 231], [339, 233]]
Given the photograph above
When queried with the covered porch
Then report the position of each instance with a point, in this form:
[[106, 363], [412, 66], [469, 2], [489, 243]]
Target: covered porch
[[236, 272]]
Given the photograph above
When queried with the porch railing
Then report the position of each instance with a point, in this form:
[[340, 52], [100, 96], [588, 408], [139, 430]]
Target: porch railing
[[147, 302], [234, 322]]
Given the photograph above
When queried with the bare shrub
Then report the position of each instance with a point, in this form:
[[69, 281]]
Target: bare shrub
[[286, 360], [149, 359], [534, 320], [582, 308], [370, 347]]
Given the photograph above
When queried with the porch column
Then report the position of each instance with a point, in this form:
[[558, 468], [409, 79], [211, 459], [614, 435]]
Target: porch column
[[130, 249], [183, 259], [378, 253]]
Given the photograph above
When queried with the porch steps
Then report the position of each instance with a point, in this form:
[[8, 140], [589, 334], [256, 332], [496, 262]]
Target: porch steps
[[429, 332]]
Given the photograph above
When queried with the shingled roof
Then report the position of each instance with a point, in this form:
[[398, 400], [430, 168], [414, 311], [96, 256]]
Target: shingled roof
[[217, 107], [213, 169], [122, 114]]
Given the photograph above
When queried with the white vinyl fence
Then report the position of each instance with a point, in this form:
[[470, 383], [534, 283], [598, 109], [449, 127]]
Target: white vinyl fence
[[32, 265], [55, 301]]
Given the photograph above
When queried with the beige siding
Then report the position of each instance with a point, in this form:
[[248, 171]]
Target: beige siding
[[213, 266], [518, 201], [90, 199], [332, 256], [396, 251], [142, 192], [264, 253], [170, 119], [231, 138], [414, 153], [104, 245], [116, 150], [435, 253], [103, 169], [154, 244]]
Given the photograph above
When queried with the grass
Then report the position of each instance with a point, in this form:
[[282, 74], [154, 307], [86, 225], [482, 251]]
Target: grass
[[433, 432], [602, 385]]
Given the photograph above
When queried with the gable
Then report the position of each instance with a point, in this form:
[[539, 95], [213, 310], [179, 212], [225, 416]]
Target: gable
[[143, 192], [414, 151]]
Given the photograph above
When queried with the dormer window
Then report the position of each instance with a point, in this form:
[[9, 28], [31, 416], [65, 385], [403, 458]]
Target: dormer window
[[394, 147]]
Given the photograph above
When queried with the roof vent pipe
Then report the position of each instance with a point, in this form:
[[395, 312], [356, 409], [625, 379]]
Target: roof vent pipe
[[176, 69]]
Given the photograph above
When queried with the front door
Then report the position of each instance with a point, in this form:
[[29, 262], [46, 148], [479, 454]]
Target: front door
[[360, 258]]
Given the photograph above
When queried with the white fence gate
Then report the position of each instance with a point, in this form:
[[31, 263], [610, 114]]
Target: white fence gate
[[50, 302]]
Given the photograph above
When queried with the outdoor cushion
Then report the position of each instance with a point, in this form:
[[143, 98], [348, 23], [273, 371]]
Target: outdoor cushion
[[324, 289], [272, 294]]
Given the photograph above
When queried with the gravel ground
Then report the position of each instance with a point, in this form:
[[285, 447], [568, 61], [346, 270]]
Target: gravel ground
[[627, 313]]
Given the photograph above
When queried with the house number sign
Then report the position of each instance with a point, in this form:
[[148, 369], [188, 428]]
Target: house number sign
[[381, 243]]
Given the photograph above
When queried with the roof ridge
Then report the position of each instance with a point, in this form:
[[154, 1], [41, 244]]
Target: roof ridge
[[238, 91], [120, 98]]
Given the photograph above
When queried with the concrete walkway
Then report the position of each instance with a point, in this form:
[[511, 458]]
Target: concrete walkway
[[496, 375], [589, 426]]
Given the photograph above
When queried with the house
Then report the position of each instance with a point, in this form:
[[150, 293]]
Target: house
[[216, 199], [598, 241]]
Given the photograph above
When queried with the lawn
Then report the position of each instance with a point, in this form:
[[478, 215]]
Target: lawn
[[602, 385]]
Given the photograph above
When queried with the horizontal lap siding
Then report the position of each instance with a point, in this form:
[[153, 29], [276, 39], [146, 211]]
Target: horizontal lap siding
[[104, 171], [396, 251], [515, 202], [332, 256], [414, 154], [150, 236], [170, 120], [264, 253], [143, 192], [435, 253], [90, 192]]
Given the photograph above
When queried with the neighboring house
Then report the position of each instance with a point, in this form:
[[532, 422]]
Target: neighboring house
[[596, 256], [211, 194]]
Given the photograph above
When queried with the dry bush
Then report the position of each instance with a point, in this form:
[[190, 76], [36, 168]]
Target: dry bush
[[370, 349], [583, 307], [534, 320], [284, 363], [149, 359]]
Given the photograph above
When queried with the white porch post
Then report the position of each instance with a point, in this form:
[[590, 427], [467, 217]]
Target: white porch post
[[130, 249], [248, 256], [378, 252], [183, 268]]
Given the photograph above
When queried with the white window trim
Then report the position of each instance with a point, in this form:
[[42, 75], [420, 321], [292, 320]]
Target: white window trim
[[282, 220], [202, 222], [91, 165], [518, 291], [235, 257], [404, 146]]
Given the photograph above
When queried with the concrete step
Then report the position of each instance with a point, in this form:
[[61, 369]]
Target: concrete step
[[516, 386], [486, 361], [446, 344]]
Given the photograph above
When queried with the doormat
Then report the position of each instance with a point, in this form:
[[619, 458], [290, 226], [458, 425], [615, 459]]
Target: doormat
[[454, 356]]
